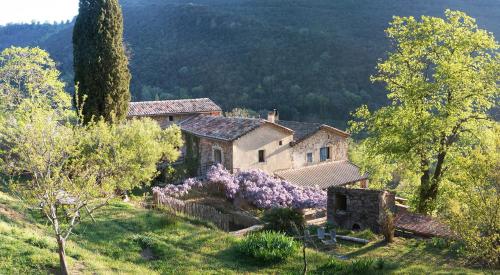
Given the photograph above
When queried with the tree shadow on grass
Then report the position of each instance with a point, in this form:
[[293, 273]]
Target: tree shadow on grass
[[114, 232], [405, 252], [234, 259], [119, 230], [365, 249], [218, 248]]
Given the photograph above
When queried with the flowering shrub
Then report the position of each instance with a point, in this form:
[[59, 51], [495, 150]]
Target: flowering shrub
[[217, 174], [265, 191], [180, 190], [256, 186]]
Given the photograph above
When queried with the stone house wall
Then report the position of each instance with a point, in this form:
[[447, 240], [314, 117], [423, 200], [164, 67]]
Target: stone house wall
[[363, 207], [207, 147], [164, 120], [322, 138]]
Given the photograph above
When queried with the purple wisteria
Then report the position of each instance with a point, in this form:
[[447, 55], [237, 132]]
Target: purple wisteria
[[266, 191], [256, 186], [176, 191], [218, 175]]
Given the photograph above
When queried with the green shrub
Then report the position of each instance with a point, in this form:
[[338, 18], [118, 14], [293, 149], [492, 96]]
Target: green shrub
[[360, 266], [284, 220], [268, 246]]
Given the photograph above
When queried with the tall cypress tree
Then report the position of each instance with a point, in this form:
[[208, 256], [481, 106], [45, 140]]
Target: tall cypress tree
[[100, 62]]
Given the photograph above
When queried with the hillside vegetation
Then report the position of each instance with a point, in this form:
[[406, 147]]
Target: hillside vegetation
[[128, 239], [309, 59]]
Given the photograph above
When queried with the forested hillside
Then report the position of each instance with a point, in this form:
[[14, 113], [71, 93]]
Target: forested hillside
[[310, 59]]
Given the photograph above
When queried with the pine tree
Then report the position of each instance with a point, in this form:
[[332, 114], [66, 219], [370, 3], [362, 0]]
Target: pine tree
[[100, 62]]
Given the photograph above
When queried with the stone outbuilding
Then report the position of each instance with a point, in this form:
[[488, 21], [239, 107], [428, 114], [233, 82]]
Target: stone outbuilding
[[358, 208]]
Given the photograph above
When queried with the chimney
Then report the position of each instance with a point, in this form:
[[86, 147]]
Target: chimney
[[273, 116]]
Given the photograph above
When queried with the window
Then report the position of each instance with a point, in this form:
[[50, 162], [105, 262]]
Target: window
[[280, 143], [324, 153], [340, 202], [262, 157], [309, 157], [217, 156], [170, 118]]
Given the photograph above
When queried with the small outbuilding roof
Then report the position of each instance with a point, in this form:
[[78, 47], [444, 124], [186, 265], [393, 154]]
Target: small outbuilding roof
[[303, 130], [223, 128], [323, 175], [421, 225], [178, 106]]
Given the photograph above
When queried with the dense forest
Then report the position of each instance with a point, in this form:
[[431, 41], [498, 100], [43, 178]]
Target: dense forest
[[309, 59]]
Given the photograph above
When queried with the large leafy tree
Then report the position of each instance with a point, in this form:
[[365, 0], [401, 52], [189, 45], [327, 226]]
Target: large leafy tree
[[100, 61], [62, 168], [442, 78]]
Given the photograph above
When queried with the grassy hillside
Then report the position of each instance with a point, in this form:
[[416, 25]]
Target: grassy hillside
[[309, 59], [128, 239]]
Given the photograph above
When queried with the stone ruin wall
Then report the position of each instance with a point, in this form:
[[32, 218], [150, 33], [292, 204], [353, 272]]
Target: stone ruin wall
[[363, 208]]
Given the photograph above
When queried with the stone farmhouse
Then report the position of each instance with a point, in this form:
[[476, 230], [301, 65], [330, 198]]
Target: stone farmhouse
[[303, 153]]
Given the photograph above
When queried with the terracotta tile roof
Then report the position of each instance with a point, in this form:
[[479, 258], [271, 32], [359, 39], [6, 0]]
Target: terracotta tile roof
[[222, 128], [303, 130], [421, 225], [178, 106], [323, 175]]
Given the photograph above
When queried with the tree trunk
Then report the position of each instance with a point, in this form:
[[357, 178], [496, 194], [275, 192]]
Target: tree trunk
[[425, 182], [304, 271], [429, 186], [62, 256]]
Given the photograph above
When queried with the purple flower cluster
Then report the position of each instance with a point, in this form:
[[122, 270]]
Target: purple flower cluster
[[256, 186], [180, 190], [218, 175], [265, 191]]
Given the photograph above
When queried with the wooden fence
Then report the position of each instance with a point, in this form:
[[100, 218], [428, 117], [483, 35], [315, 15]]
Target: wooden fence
[[195, 210]]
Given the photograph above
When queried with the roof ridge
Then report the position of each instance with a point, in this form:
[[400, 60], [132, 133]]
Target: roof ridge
[[335, 128], [180, 99], [319, 124], [233, 118], [303, 122]]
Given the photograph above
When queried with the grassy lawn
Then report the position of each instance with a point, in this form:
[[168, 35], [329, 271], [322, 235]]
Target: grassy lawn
[[128, 239]]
